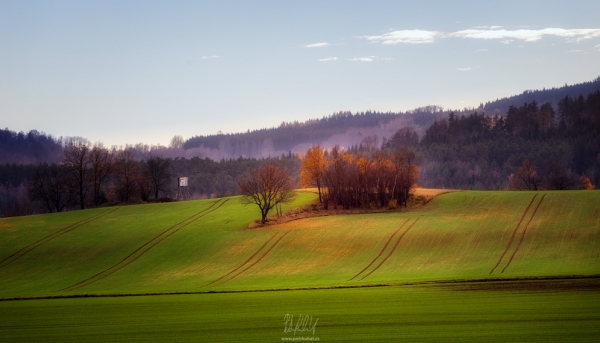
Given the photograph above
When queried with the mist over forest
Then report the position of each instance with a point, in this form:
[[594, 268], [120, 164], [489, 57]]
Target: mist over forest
[[557, 130]]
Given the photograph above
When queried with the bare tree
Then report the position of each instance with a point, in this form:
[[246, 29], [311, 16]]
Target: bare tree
[[266, 187], [49, 186], [157, 171], [526, 178], [144, 187], [77, 163], [126, 176], [176, 142], [557, 176], [102, 165]]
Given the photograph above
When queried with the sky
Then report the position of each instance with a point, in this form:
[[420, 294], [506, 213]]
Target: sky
[[124, 72]]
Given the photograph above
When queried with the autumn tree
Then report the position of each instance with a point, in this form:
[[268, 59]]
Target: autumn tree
[[585, 183], [102, 164], [526, 177], [336, 178], [406, 173], [266, 186], [312, 169], [77, 162]]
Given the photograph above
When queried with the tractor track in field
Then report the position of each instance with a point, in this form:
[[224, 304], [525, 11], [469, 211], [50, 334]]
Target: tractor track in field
[[393, 249], [523, 234], [469, 207], [245, 262], [256, 262], [25, 250], [146, 247], [512, 237], [382, 250]]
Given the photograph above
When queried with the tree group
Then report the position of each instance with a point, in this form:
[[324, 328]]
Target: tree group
[[91, 175], [369, 177]]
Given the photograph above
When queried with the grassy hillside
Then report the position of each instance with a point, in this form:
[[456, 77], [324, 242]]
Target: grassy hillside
[[205, 246]]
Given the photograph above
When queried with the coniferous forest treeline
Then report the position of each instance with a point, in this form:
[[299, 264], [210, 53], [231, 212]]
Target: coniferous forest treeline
[[482, 152], [469, 149]]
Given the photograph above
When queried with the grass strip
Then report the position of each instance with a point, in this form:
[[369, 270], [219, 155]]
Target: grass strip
[[396, 284]]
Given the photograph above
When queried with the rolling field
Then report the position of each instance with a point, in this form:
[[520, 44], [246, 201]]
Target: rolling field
[[204, 246]]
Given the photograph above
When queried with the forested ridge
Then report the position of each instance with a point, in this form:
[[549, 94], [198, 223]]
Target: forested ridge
[[288, 135], [552, 95], [482, 152]]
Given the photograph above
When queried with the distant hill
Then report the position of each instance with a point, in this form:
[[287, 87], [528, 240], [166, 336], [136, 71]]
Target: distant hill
[[552, 95], [346, 128], [32, 147]]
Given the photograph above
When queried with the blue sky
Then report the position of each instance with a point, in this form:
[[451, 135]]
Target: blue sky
[[143, 71]]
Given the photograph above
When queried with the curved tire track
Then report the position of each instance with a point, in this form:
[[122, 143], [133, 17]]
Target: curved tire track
[[523, 234], [393, 249], [146, 247], [255, 262], [25, 250], [245, 262], [512, 237], [382, 250]]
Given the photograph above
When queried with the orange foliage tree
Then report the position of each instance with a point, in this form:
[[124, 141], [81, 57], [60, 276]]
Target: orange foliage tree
[[312, 169], [585, 183]]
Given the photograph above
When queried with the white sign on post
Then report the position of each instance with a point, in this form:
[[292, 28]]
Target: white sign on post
[[183, 181]]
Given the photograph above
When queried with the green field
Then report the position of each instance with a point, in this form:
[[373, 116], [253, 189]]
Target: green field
[[384, 314], [204, 247]]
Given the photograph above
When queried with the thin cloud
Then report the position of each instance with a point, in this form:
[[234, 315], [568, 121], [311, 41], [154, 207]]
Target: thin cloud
[[329, 59], [481, 50], [572, 35], [481, 32], [597, 46], [209, 57], [487, 27], [317, 45], [370, 59], [464, 69], [363, 59], [575, 51], [405, 36]]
